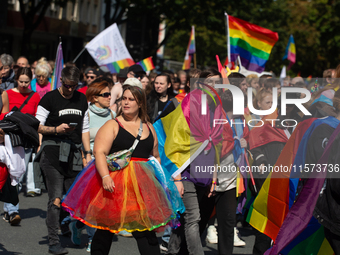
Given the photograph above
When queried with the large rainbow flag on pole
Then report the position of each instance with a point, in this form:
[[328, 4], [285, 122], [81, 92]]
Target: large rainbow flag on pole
[[251, 42], [190, 50], [147, 64], [58, 66], [108, 50]]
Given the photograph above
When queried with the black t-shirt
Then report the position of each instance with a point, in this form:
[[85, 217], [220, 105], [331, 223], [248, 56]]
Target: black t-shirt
[[60, 110]]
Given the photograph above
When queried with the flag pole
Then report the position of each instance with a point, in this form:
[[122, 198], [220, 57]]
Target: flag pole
[[195, 66], [74, 60], [227, 34]]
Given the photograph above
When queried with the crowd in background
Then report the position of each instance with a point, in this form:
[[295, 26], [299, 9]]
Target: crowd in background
[[28, 88]]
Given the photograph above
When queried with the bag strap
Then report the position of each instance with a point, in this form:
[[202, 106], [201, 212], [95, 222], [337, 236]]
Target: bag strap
[[25, 102], [135, 143]]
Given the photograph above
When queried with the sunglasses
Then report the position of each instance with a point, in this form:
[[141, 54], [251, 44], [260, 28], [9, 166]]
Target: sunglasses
[[106, 94], [90, 77], [41, 76], [69, 86]]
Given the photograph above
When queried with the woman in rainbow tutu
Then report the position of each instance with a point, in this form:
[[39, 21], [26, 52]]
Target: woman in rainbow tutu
[[125, 188]]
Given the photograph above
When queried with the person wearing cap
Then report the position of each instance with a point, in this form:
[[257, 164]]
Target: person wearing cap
[[135, 71], [90, 74]]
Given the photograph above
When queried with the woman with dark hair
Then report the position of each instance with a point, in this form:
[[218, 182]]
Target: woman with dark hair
[[27, 101], [159, 96], [130, 197], [98, 95]]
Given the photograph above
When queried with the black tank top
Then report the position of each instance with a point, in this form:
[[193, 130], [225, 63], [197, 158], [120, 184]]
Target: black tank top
[[124, 141]]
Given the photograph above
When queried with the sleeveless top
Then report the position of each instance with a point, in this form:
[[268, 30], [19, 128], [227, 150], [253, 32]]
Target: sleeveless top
[[125, 139]]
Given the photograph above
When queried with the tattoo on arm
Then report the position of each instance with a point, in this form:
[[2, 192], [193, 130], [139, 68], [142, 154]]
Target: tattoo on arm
[[44, 130]]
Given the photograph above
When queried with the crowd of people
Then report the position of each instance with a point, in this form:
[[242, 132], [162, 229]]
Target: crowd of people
[[98, 154]]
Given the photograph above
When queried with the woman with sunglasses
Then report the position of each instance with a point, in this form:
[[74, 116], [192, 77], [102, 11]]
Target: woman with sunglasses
[[42, 83]]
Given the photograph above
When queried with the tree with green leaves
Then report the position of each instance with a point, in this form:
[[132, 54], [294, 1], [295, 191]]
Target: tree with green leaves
[[32, 13]]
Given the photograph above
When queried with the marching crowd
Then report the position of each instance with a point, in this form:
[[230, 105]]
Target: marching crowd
[[98, 155]]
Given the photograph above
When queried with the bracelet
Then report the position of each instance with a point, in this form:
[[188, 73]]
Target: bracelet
[[178, 180], [55, 131], [105, 176], [213, 182]]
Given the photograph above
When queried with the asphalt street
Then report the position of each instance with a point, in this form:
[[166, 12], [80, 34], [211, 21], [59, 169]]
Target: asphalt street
[[30, 237]]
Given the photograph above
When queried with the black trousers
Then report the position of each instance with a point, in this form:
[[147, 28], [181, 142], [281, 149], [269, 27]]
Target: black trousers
[[262, 243], [226, 220], [334, 240], [147, 242]]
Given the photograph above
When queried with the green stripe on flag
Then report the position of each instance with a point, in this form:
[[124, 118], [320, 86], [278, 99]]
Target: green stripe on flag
[[244, 45]]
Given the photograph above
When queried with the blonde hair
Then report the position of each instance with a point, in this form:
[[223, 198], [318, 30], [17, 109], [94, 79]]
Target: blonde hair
[[42, 68], [251, 77], [261, 94]]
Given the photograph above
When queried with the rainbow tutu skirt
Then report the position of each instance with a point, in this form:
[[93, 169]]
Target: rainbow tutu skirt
[[144, 198]]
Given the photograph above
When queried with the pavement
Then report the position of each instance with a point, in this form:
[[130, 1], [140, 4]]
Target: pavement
[[30, 237]]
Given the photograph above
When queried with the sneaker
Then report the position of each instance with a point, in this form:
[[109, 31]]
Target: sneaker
[[124, 233], [75, 233], [88, 248], [14, 219], [5, 217], [57, 249], [237, 240], [32, 194], [164, 246], [212, 234]]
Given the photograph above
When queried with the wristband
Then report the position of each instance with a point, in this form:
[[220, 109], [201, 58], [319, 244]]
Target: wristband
[[88, 152], [105, 176], [177, 180], [213, 182]]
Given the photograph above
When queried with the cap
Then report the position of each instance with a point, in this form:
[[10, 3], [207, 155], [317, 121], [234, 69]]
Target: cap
[[133, 82], [123, 72], [94, 71], [136, 69]]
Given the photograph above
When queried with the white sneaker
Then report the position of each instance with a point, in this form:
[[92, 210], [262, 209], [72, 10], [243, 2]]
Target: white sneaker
[[212, 234], [237, 240]]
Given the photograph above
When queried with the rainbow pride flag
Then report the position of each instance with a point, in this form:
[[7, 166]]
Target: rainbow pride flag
[[300, 227], [251, 42], [290, 50], [277, 196], [147, 64], [185, 133], [58, 66], [115, 67], [190, 50]]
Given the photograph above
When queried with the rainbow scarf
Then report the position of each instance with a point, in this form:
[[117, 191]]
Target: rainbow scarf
[[147, 64], [251, 42], [185, 133]]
